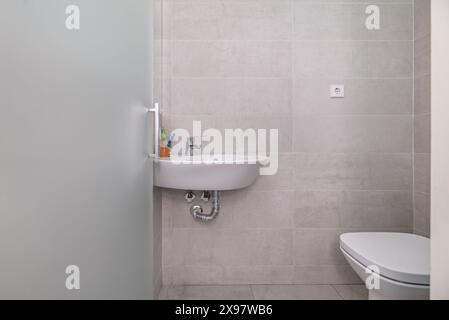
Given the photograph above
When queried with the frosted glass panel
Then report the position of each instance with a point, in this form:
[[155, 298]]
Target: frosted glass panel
[[75, 186]]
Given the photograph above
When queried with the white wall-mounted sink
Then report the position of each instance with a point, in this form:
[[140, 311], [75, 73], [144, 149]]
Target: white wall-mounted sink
[[222, 173]]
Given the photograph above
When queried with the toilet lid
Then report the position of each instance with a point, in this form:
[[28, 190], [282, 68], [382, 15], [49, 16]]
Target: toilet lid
[[399, 256]]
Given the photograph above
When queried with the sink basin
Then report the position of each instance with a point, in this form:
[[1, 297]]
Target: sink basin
[[221, 173]]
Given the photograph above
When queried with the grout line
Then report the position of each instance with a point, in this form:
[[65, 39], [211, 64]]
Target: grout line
[[292, 75], [289, 40], [289, 77], [298, 115], [252, 291], [336, 291]]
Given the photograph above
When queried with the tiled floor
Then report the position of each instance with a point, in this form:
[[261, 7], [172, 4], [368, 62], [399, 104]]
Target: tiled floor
[[265, 292]]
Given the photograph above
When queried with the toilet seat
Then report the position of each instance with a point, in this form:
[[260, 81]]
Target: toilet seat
[[400, 257]]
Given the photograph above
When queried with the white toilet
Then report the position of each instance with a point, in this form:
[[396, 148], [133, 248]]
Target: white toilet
[[402, 260]]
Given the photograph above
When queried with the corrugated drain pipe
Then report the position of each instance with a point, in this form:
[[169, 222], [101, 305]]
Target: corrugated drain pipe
[[197, 210]]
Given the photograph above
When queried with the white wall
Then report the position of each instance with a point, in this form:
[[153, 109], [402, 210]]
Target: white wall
[[440, 151]]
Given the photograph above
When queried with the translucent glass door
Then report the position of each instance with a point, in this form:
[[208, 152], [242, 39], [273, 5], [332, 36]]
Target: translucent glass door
[[75, 180]]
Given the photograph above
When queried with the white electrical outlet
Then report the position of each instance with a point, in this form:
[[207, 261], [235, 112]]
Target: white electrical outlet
[[337, 91]]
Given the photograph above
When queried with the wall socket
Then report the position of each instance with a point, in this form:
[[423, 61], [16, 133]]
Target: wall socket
[[337, 91]]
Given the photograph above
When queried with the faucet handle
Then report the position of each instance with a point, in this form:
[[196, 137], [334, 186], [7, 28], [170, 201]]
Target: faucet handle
[[193, 144]]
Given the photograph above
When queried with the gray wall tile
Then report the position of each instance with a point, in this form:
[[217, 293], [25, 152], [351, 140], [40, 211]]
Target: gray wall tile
[[315, 247], [352, 134], [422, 56], [272, 274], [325, 274], [353, 209], [353, 171], [422, 133], [231, 59], [209, 293], [346, 21], [227, 247], [292, 292], [422, 118], [239, 210], [422, 172], [232, 20], [422, 94], [225, 274], [422, 18], [360, 59], [269, 64], [422, 214], [246, 97], [283, 124], [362, 97], [282, 180]]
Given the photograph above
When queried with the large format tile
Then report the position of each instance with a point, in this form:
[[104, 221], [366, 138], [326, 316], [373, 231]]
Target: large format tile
[[422, 172], [282, 180], [176, 212], [214, 59], [346, 21], [257, 64], [162, 61], [353, 209], [345, 59], [227, 247], [321, 21], [378, 59], [422, 18], [238, 210], [325, 274], [352, 292], [422, 133], [318, 209], [260, 209], [352, 134], [282, 124], [232, 20], [258, 274], [356, 171], [294, 292], [387, 210], [208, 293], [315, 247], [422, 56], [422, 214], [396, 22], [362, 97], [422, 95], [262, 97], [319, 59], [228, 275], [192, 275], [321, 248]]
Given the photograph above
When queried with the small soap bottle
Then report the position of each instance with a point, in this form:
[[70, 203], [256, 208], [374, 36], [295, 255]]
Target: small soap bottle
[[164, 150]]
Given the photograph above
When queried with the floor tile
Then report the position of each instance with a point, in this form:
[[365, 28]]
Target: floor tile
[[207, 293], [294, 292], [352, 292]]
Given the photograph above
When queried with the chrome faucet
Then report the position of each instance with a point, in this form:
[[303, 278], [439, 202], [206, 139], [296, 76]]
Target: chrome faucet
[[191, 146]]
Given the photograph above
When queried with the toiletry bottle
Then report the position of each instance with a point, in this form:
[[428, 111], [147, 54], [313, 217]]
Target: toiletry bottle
[[164, 150]]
